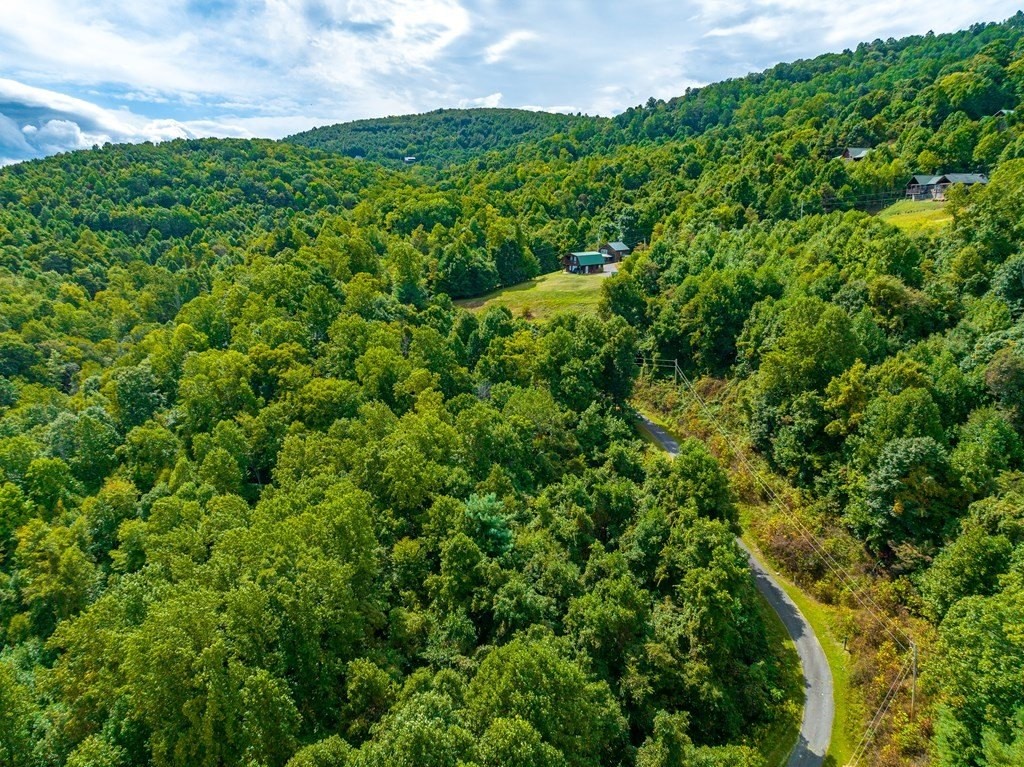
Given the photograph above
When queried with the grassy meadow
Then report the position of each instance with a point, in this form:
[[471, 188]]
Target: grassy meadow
[[545, 295], [917, 216]]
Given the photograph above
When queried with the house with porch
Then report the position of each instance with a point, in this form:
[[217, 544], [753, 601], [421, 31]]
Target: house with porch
[[923, 187], [584, 262], [967, 179]]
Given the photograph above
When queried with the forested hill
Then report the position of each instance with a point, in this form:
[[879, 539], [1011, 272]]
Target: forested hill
[[891, 91], [268, 497], [438, 138], [874, 93]]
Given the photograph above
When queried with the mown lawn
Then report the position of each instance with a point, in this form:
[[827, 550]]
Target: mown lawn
[[917, 216], [545, 295]]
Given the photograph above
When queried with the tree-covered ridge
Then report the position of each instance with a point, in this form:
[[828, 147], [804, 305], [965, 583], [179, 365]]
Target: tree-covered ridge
[[266, 495], [186, 202], [440, 138], [862, 97], [880, 373]]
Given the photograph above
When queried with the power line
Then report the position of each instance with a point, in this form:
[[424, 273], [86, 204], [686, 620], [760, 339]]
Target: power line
[[868, 604], [865, 600], [876, 720]]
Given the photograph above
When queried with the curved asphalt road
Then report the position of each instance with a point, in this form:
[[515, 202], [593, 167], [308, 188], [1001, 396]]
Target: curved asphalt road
[[819, 708]]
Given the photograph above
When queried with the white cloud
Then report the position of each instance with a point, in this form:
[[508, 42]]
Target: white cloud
[[489, 102], [40, 122], [829, 25], [292, 47], [499, 50], [761, 28], [14, 145]]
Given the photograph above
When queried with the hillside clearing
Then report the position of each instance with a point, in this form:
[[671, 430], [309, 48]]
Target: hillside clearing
[[545, 295], [917, 215]]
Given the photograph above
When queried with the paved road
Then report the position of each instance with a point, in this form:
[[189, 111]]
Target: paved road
[[819, 707]]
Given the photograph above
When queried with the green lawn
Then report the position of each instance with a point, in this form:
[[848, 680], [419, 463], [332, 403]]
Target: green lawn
[[545, 295], [917, 216]]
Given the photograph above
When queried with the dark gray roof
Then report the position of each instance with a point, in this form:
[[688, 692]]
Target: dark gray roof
[[924, 180], [964, 178], [618, 246]]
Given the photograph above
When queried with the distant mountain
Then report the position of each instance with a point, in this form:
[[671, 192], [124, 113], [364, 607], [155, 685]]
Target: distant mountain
[[437, 138]]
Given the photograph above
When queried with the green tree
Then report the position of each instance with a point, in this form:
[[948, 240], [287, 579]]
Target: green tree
[[16, 714], [534, 680], [332, 751], [514, 741], [980, 654], [215, 386]]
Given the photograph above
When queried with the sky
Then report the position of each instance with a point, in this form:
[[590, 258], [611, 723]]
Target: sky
[[74, 73]]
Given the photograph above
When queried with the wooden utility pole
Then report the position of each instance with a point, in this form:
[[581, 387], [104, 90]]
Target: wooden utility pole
[[913, 685]]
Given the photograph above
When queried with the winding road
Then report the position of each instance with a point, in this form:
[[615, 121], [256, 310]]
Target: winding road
[[819, 707]]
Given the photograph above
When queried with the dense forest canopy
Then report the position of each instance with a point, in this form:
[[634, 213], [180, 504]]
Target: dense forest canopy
[[440, 138], [268, 497]]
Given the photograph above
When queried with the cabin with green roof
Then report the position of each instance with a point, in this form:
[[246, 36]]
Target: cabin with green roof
[[584, 262]]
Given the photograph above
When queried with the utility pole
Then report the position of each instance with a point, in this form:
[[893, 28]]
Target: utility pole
[[913, 686]]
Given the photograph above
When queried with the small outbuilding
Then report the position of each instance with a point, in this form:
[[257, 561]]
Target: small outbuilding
[[614, 251], [584, 262], [855, 153], [1002, 118]]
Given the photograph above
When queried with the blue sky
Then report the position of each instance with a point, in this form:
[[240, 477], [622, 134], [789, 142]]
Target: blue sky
[[78, 72]]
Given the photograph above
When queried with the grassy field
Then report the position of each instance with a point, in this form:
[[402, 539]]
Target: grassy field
[[917, 216], [545, 295]]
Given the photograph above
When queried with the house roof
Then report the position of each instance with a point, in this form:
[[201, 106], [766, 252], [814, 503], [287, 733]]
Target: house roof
[[589, 258], [964, 178], [620, 246], [1003, 113], [857, 152], [924, 180]]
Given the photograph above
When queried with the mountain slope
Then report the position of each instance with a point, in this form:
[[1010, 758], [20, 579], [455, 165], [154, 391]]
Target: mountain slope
[[437, 138], [245, 432]]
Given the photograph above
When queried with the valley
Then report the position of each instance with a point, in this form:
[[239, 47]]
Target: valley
[[312, 454]]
